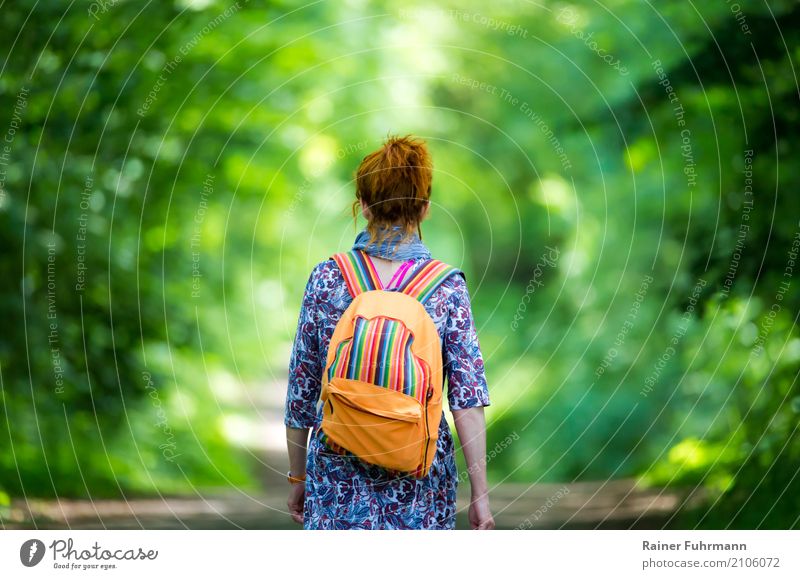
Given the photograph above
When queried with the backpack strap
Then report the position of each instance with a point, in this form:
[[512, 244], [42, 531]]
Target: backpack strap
[[358, 272], [427, 279]]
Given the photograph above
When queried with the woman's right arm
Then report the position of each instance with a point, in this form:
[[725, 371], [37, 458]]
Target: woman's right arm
[[467, 394], [471, 428]]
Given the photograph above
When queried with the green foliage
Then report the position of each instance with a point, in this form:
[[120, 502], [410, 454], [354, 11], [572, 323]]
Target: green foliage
[[176, 170]]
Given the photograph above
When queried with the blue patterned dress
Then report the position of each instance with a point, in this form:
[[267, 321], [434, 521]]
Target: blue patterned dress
[[342, 491]]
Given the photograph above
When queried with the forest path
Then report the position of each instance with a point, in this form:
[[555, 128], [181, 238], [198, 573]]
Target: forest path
[[615, 504]]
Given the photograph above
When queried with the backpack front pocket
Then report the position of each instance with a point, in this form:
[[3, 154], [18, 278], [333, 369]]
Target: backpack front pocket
[[381, 426]]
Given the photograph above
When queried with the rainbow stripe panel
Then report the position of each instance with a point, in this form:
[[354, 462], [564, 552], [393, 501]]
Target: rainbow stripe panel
[[380, 353]]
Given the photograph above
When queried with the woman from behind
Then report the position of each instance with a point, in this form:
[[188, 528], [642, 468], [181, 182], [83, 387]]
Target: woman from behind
[[330, 487]]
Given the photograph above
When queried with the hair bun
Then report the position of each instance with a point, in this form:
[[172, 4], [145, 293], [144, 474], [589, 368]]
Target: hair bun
[[395, 184]]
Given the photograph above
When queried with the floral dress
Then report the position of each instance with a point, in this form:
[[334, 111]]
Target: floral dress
[[342, 491]]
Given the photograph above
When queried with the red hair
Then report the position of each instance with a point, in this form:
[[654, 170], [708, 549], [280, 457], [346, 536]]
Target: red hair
[[395, 184]]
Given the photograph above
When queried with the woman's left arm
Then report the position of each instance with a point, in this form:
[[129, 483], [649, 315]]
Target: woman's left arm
[[297, 443], [297, 440], [305, 374]]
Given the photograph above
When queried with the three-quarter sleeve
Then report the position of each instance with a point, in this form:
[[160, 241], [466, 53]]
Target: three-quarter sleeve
[[463, 360], [305, 364]]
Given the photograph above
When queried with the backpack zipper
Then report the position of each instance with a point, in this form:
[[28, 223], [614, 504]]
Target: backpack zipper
[[427, 431]]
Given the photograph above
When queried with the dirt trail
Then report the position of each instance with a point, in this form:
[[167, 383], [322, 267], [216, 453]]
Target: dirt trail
[[586, 505]]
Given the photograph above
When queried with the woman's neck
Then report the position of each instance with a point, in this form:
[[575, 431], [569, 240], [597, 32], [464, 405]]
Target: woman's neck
[[392, 248]]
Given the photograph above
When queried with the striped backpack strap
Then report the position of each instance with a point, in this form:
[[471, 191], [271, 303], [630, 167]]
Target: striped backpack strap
[[358, 272], [428, 277]]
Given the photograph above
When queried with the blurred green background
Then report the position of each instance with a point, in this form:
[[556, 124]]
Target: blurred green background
[[617, 179]]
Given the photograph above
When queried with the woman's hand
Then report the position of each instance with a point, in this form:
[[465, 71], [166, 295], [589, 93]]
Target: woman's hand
[[480, 517], [471, 427], [297, 442], [297, 495]]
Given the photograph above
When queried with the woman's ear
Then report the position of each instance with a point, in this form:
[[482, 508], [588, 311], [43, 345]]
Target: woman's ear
[[426, 210], [365, 210]]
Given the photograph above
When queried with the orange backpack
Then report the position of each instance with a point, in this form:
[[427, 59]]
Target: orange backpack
[[383, 379]]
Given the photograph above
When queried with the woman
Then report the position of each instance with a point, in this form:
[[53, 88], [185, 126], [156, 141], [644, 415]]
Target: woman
[[331, 488]]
